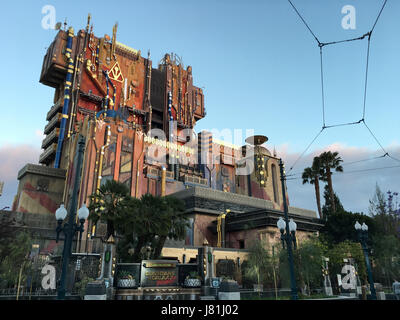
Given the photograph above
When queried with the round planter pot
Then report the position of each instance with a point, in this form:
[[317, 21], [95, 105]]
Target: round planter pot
[[192, 283], [126, 283]]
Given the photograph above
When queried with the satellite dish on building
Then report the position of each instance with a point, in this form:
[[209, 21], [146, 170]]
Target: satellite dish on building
[[256, 140]]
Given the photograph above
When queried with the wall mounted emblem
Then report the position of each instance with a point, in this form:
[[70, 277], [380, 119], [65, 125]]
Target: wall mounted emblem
[[115, 73]]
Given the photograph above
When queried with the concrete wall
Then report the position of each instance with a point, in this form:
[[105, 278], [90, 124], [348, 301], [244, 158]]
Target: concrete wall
[[40, 189]]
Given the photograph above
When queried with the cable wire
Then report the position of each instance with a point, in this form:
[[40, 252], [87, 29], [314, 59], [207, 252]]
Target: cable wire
[[301, 155], [363, 160], [315, 37], [374, 137], [376, 21], [321, 45], [366, 75], [343, 124], [322, 88], [354, 171]]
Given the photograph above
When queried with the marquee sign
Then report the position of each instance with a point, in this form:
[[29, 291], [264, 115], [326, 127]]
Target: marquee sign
[[159, 273]]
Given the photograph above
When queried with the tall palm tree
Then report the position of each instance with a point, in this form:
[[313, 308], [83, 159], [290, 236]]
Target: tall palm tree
[[107, 204], [330, 161], [312, 175], [175, 229]]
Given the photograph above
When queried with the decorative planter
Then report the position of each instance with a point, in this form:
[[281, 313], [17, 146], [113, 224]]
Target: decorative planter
[[126, 283], [192, 283]]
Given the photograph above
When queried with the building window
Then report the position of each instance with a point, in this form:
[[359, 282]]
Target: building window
[[275, 183], [241, 244]]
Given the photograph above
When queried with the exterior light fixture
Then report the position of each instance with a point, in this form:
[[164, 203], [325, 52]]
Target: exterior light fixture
[[362, 232]]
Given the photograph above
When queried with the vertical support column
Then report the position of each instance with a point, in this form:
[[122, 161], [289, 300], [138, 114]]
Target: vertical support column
[[67, 87]]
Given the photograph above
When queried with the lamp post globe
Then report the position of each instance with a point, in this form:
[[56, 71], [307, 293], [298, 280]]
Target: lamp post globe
[[281, 224], [83, 212], [61, 213], [292, 226]]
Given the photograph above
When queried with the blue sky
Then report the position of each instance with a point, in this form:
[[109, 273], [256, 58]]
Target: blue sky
[[257, 62]]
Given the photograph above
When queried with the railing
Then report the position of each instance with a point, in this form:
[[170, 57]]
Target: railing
[[50, 138], [57, 106], [52, 123], [48, 152]]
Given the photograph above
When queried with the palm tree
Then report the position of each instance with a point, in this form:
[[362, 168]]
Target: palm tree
[[149, 221], [108, 203], [175, 229], [330, 161], [312, 175]]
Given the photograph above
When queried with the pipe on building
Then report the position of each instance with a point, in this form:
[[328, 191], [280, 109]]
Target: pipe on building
[[163, 178], [138, 172], [67, 88], [108, 133]]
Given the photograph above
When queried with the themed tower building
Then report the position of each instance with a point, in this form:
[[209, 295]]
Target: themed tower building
[[137, 121]]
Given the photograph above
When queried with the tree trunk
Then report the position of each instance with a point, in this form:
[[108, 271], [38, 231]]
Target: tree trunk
[[318, 197], [329, 176], [139, 245], [159, 247]]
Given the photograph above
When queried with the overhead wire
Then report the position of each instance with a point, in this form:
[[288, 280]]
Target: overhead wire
[[353, 171], [345, 163], [315, 37], [379, 15], [321, 45], [301, 155]]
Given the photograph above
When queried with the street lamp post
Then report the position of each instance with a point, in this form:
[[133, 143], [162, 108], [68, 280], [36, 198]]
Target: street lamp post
[[70, 227], [362, 231], [290, 235]]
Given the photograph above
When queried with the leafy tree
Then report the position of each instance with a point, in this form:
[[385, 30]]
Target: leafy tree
[[340, 227], [386, 251], [15, 262], [386, 241], [330, 161], [258, 264], [312, 175], [387, 219], [308, 257], [345, 250], [176, 225], [327, 208]]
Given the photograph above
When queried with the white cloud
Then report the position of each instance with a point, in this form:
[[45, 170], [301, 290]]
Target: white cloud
[[12, 159]]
